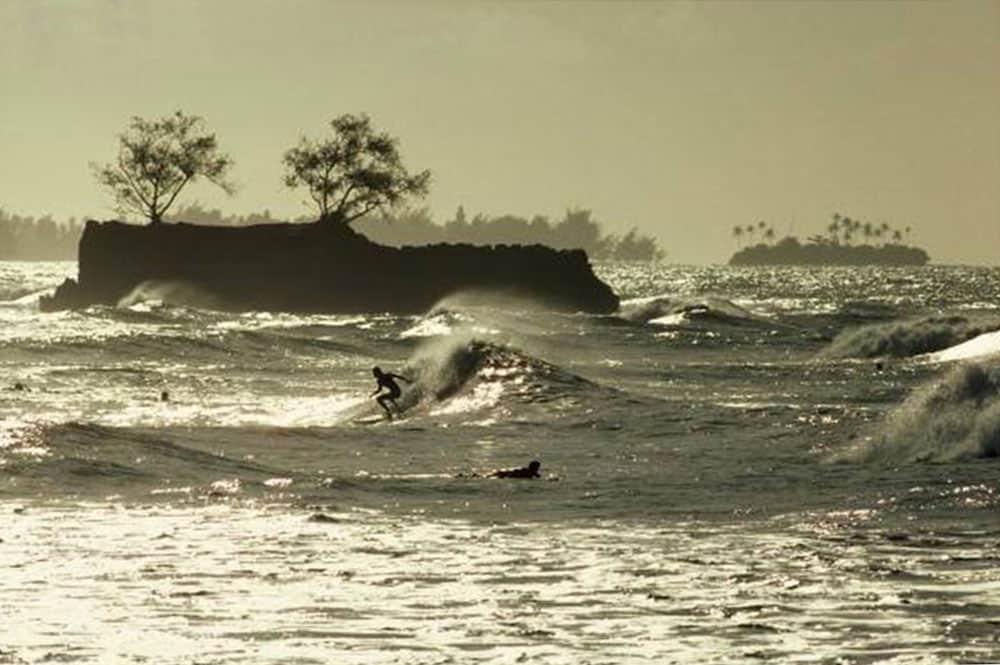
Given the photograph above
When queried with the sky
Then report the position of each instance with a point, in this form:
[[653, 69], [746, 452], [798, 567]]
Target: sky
[[682, 119]]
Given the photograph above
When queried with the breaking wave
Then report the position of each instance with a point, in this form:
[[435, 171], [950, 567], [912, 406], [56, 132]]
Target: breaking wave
[[955, 417], [174, 293], [667, 310], [904, 339], [458, 374]]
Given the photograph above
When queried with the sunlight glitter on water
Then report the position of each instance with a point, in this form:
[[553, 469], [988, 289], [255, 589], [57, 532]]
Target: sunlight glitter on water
[[237, 584]]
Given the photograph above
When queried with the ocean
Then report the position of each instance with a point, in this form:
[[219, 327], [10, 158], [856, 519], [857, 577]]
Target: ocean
[[741, 465]]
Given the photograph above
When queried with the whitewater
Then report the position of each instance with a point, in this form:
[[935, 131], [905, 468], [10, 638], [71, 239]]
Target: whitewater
[[740, 465]]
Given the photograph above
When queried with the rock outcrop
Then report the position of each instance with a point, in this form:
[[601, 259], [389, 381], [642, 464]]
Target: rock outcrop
[[317, 268]]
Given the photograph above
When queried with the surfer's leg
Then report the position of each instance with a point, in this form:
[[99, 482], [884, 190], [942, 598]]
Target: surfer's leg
[[382, 402]]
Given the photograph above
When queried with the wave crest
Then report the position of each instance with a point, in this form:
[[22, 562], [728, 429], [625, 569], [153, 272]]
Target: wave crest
[[672, 310], [904, 339], [956, 417]]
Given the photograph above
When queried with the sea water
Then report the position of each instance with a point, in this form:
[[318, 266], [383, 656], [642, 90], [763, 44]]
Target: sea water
[[741, 465]]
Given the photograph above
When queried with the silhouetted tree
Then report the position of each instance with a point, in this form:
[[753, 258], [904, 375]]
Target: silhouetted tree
[[352, 173], [635, 247], [738, 234], [157, 159], [834, 229], [868, 230]]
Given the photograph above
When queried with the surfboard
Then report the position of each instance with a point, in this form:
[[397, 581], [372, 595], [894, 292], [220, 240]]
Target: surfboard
[[370, 420]]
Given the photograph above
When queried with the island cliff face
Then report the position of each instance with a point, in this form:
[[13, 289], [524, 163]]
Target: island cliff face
[[318, 268]]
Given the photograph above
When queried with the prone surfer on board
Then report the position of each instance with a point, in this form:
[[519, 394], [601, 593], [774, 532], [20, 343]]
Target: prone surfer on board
[[530, 471], [386, 380]]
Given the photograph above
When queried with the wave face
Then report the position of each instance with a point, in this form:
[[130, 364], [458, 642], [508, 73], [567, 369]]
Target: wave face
[[955, 417]]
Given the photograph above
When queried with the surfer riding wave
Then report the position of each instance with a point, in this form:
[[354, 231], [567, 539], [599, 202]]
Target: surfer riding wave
[[386, 380]]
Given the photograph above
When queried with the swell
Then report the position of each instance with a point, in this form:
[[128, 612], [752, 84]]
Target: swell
[[156, 336], [85, 457]]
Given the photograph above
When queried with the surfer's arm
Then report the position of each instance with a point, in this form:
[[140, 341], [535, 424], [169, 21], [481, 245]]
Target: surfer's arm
[[401, 378]]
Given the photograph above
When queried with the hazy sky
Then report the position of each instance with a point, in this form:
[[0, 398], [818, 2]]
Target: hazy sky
[[680, 118]]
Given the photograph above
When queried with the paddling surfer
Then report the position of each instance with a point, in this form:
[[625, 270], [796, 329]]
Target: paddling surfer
[[387, 381], [530, 471]]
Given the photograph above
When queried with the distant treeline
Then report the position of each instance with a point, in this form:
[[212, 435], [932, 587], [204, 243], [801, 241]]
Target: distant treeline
[[789, 251], [30, 239], [576, 230], [37, 239], [415, 226]]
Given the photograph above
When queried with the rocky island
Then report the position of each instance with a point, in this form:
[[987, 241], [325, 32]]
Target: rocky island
[[316, 268]]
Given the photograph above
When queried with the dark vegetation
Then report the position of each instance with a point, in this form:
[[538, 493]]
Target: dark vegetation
[[353, 172], [846, 242], [159, 158]]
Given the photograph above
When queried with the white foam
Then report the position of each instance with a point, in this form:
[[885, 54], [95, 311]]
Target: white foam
[[987, 344]]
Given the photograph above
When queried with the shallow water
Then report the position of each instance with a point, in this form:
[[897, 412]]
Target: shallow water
[[718, 487]]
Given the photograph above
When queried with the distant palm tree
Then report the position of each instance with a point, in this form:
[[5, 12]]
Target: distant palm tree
[[769, 234], [869, 230], [908, 234], [751, 230], [897, 235], [846, 223], [834, 228], [738, 234]]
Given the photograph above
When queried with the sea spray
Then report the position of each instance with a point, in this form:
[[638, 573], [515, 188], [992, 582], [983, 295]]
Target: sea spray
[[172, 292], [648, 310], [955, 417]]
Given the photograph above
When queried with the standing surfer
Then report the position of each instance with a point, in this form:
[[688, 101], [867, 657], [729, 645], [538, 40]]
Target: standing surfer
[[386, 380]]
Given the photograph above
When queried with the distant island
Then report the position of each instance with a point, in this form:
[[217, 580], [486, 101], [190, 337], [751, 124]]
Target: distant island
[[848, 242], [324, 266]]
